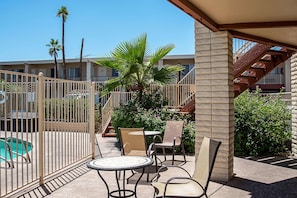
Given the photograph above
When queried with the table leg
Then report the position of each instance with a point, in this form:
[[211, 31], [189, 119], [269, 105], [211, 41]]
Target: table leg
[[138, 181], [124, 180], [119, 191], [118, 183], [104, 182]]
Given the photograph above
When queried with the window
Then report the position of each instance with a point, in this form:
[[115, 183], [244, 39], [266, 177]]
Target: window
[[17, 77], [114, 73], [275, 71], [188, 68], [73, 72], [52, 72], [19, 70]]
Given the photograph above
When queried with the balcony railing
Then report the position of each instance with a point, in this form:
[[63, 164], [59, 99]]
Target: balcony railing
[[272, 79]]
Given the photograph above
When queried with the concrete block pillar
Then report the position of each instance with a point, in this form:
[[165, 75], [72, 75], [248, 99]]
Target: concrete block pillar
[[60, 70], [288, 75], [214, 108], [27, 68], [89, 71], [161, 62], [294, 102]]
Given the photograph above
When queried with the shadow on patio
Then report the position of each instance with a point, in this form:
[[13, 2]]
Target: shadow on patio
[[252, 179]]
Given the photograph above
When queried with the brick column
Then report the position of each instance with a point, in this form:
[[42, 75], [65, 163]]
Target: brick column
[[294, 102], [214, 108]]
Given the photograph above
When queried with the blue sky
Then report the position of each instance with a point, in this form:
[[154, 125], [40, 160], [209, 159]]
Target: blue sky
[[27, 26]]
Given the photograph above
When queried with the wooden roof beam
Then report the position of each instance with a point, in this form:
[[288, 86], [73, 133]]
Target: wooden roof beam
[[274, 24], [196, 13]]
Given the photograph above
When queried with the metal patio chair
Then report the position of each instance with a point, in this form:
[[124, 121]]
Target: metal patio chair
[[172, 138], [190, 186]]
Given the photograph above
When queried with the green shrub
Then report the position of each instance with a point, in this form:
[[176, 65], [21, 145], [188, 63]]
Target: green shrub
[[152, 117], [189, 136], [152, 100], [262, 124]]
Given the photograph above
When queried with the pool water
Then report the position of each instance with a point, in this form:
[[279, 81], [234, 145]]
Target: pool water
[[16, 145]]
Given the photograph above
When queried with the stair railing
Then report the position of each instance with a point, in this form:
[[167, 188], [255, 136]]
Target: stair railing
[[241, 47], [106, 113], [115, 99], [189, 78]]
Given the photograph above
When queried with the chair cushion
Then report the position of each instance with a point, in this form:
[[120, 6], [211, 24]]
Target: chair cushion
[[189, 189]]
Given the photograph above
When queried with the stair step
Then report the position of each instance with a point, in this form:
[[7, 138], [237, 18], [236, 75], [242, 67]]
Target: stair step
[[109, 127], [274, 52], [109, 134]]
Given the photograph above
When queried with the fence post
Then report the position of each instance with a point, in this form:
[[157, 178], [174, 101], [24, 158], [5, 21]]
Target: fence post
[[92, 119], [40, 125]]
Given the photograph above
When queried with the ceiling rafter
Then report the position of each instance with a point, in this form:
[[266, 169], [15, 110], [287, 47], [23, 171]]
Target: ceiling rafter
[[273, 24], [196, 13]]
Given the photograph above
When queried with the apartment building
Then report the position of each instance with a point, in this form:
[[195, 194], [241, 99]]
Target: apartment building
[[91, 71]]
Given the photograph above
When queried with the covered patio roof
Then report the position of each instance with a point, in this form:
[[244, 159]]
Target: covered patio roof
[[264, 21]]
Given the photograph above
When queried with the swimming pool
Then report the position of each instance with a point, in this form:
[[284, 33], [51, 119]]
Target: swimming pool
[[11, 148]]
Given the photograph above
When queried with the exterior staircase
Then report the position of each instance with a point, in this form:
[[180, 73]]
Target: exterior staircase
[[255, 64], [108, 130], [250, 68]]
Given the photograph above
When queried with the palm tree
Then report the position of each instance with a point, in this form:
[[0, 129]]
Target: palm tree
[[63, 12], [137, 68], [54, 48], [80, 58]]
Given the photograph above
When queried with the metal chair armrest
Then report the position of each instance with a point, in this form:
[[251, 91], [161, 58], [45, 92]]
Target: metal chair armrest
[[150, 148], [169, 181], [125, 146], [159, 137], [176, 137]]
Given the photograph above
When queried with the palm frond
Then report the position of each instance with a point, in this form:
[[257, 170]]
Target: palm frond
[[160, 53], [113, 83], [136, 70], [166, 74]]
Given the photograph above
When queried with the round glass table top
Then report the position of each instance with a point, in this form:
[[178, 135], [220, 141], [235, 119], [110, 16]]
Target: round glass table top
[[120, 163]]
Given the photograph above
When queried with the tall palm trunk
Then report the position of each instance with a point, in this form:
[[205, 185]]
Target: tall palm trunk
[[80, 60], [63, 50], [56, 67]]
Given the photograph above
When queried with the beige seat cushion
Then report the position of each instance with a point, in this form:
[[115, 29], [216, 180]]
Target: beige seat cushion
[[179, 190]]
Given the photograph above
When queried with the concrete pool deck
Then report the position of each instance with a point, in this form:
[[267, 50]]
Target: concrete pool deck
[[266, 177]]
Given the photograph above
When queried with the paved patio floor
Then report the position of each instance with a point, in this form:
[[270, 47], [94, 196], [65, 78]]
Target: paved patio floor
[[265, 177]]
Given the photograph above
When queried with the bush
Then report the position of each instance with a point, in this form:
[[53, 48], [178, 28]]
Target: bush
[[262, 125], [152, 117], [189, 136]]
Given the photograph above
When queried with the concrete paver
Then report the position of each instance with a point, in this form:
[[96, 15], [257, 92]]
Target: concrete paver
[[251, 179]]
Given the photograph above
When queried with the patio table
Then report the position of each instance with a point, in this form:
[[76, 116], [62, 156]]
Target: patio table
[[120, 163], [146, 133]]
